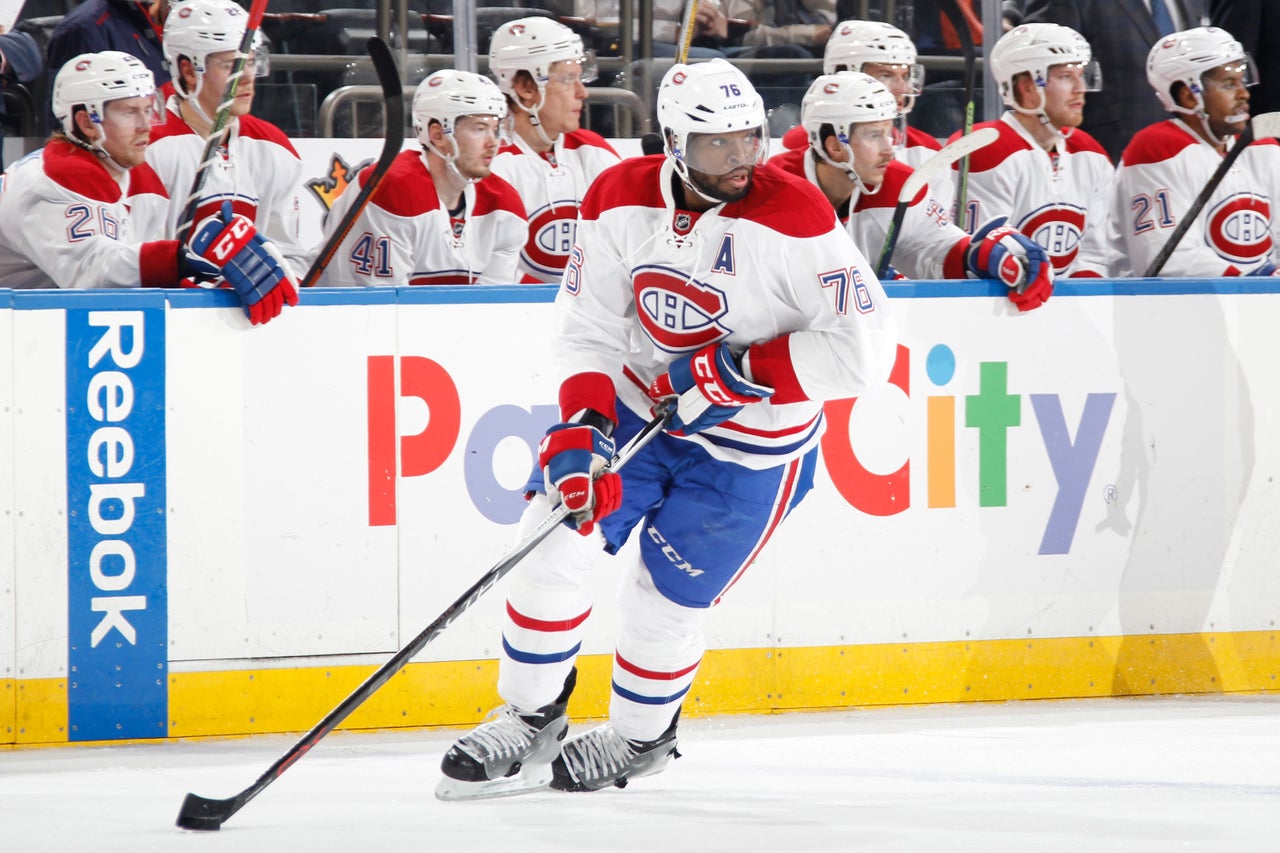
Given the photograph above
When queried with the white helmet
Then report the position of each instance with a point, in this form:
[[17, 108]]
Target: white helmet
[[1184, 57], [197, 28], [842, 101], [707, 98], [855, 43], [93, 79], [534, 45], [1035, 48], [448, 95]]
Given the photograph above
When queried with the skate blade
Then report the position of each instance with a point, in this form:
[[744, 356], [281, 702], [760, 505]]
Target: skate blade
[[525, 782]]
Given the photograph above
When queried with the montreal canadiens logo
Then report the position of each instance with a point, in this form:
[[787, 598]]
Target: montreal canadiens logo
[[831, 88], [1239, 228], [678, 78], [551, 233], [1059, 229], [678, 314]]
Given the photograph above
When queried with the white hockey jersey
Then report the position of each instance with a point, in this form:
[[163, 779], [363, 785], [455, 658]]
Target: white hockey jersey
[[258, 170], [552, 187], [1162, 170], [929, 244], [917, 148], [1060, 199], [66, 222], [774, 275], [405, 236]]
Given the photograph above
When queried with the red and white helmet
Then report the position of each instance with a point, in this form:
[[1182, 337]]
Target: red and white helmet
[[448, 95], [534, 45], [844, 101], [707, 98], [1185, 56], [855, 43], [92, 79], [197, 28], [1035, 48]]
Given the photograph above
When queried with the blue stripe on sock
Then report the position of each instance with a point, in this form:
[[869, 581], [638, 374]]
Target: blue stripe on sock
[[527, 657], [649, 700]]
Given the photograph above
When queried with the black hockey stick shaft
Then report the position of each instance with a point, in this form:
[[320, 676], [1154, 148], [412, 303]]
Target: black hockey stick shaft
[[384, 64], [203, 813], [965, 35], [1184, 224], [220, 120]]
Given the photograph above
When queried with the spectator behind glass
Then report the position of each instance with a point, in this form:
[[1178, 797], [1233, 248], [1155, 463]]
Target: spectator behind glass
[[1256, 23], [19, 63], [1120, 33], [129, 26]]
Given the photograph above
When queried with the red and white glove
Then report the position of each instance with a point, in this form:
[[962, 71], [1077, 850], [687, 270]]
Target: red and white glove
[[710, 388], [228, 245], [1001, 252], [573, 459]]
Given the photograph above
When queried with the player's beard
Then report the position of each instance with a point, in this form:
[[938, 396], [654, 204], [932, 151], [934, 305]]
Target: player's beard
[[716, 186]]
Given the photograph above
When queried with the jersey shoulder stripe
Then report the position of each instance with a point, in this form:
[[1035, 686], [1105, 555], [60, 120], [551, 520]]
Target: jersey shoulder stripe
[[1079, 142], [917, 138], [791, 161], [895, 175], [75, 169], [493, 193], [992, 156], [582, 138], [143, 180], [1156, 143], [252, 127], [784, 203], [406, 190], [630, 183]]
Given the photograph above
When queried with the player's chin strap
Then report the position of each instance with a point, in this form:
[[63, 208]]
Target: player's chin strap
[[450, 159], [96, 148], [1218, 141], [533, 111], [860, 186]]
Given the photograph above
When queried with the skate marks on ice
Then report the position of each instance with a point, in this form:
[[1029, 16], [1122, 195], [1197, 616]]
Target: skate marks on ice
[[1132, 774]]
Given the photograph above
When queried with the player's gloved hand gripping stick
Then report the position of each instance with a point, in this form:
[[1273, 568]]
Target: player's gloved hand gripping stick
[[208, 814]]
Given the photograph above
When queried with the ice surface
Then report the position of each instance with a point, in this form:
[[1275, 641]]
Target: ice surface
[[1098, 775]]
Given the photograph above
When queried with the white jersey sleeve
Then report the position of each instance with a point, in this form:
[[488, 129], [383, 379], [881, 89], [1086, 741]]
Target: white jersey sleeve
[[259, 172], [65, 222], [1057, 198], [1164, 168], [648, 282]]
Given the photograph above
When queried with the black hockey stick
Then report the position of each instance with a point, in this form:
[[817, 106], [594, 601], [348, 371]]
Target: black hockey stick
[[1267, 124], [952, 10], [929, 169], [393, 106], [207, 814], [220, 120]]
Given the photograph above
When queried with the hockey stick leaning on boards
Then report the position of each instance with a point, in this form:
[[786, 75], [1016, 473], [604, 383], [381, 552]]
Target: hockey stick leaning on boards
[[1267, 124], [220, 120], [393, 142], [208, 814], [936, 165], [961, 25]]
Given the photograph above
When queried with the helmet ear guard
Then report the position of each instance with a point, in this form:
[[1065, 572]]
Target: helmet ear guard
[[709, 98], [91, 80], [1035, 48], [1186, 56]]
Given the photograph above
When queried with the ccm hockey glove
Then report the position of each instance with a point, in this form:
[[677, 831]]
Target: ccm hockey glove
[[1001, 252], [710, 389], [228, 245], [573, 459]]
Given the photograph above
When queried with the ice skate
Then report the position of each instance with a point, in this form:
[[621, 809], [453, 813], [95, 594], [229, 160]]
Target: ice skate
[[510, 753], [602, 757]]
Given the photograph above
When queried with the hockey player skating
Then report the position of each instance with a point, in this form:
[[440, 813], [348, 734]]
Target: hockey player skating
[[1201, 77], [86, 211], [541, 67], [439, 216], [1051, 179], [256, 168], [854, 129], [706, 277]]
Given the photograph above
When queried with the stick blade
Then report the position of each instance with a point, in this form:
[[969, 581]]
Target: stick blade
[[942, 160], [1266, 124], [202, 813]]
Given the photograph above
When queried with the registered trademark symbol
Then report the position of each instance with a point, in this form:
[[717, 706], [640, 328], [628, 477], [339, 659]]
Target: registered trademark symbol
[[1109, 494]]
